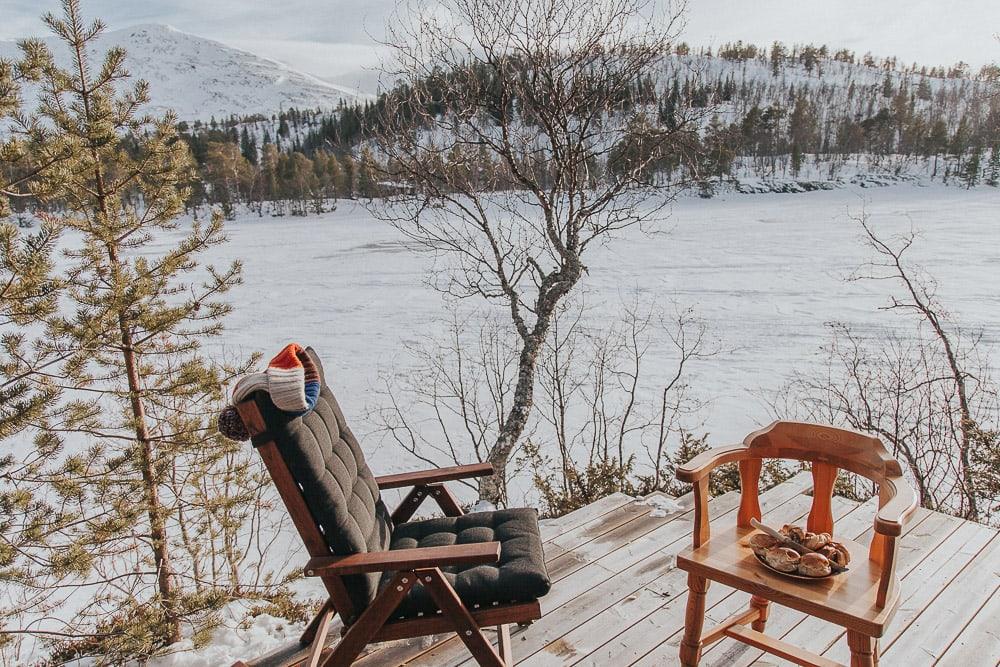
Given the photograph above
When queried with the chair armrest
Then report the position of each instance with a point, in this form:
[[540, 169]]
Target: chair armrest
[[478, 553], [900, 504], [705, 462], [433, 476]]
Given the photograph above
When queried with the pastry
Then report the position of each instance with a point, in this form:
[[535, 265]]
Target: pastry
[[782, 559], [814, 565], [761, 542], [815, 541], [793, 533], [836, 552]]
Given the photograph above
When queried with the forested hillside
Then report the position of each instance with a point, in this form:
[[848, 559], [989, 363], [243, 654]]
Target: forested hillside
[[778, 118]]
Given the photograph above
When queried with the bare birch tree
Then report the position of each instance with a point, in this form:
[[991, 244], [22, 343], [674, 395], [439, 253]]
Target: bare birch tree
[[524, 132], [927, 392]]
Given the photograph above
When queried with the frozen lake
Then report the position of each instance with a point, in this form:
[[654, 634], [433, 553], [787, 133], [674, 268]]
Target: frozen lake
[[765, 271]]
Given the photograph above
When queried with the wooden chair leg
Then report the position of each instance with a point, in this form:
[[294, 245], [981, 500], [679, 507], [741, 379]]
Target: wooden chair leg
[[863, 649], [318, 630], [764, 607], [310, 632], [503, 645], [451, 606], [694, 620], [371, 620]]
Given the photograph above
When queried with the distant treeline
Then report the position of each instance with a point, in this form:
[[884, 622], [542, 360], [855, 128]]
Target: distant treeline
[[765, 111]]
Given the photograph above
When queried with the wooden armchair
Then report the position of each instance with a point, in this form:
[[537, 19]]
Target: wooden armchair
[[862, 600], [388, 577]]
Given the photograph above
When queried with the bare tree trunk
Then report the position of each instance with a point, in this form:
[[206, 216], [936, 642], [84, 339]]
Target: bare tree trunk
[[153, 506], [494, 487], [529, 92], [922, 302], [151, 497]]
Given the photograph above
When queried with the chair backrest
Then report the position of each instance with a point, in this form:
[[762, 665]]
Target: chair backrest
[[828, 449], [329, 468]]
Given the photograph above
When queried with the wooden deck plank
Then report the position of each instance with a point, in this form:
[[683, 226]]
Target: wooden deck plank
[[583, 515], [979, 642], [617, 560], [617, 518], [595, 541], [943, 620], [605, 640]]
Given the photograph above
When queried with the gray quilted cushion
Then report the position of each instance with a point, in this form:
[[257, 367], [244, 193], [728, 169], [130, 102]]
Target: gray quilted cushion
[[520, 576], [327, 463]]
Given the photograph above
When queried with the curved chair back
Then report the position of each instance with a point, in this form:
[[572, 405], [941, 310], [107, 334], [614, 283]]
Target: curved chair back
[[328, 477], [828, 449]]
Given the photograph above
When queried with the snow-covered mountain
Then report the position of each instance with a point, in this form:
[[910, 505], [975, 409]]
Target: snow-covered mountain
[[200, 78]]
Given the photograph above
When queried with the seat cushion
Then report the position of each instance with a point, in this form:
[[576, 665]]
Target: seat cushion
[[519, 576]]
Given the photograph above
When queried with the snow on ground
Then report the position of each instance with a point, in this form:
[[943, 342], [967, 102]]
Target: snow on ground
[[766, 272], [263, 634]]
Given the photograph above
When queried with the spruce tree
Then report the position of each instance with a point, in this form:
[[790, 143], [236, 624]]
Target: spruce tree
[[151, 490], [29, 292], [993, 167], [970, 172], [248, 147]]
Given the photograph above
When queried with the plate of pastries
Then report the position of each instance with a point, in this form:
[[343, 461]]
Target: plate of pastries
[[794, 552]]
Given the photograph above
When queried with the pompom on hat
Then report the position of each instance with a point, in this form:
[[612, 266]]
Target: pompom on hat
[[292, 380]]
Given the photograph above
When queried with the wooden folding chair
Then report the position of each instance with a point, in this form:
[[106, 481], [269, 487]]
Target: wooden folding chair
[[862, 600], [388, 577]]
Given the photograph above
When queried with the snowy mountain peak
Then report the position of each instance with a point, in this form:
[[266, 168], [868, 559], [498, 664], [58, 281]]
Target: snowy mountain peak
[[200, 78], [153, 28]]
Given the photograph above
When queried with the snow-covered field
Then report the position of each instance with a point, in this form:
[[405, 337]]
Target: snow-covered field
[[765, 271]]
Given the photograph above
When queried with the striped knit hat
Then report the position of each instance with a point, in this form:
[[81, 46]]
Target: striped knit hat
[[291, 379]]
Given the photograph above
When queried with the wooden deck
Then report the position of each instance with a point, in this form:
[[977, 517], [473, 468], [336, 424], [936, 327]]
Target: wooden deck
[[617, 598]]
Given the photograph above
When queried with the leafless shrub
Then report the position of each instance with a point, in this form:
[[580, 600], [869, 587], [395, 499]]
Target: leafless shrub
[[927, 391], [600, 424]]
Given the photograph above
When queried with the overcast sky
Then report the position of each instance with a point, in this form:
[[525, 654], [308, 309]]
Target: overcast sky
[[332, 37]]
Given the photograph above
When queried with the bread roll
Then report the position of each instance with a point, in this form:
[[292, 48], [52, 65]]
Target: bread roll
[[793, 533], [814, 565], [837, 553], [761, 542], [815, 541], [782, 559]]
